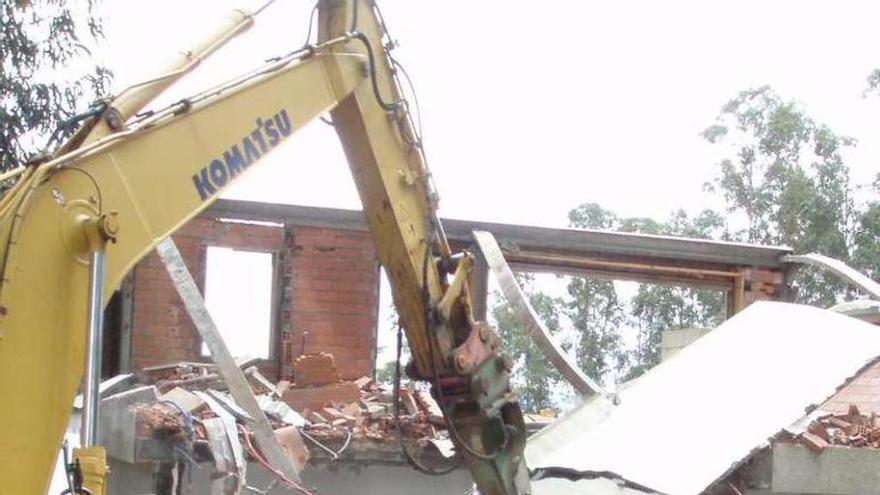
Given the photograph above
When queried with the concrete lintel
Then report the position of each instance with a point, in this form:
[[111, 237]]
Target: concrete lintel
[[524, 237]]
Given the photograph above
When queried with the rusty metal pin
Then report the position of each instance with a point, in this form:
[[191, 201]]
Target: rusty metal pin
[[461, 361]]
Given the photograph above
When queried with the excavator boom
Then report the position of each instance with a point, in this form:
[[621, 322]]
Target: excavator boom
[[126, 182]]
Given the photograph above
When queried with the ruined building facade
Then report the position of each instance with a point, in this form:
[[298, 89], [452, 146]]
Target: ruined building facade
[[325, 280]]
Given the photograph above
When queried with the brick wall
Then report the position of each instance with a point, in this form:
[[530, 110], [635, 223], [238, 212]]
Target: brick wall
[[327, 284], [335, 299], [863, 391]]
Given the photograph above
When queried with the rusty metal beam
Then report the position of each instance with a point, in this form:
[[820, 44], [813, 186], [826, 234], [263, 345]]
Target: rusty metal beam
[[623, 267], [596, 274], [226, 365]]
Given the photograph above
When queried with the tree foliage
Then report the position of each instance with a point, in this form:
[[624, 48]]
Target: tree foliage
[[873, 81], [784, 181], [535, 379], [594, 308], [657, 308], [45, 75], [598, 313], [866, 255], [787, 178]]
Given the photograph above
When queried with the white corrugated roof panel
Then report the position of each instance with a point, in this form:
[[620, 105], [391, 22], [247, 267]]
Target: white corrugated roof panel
[[690, 420]]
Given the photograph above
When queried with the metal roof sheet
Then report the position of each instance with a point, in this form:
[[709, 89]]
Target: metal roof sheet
[[690, 420]]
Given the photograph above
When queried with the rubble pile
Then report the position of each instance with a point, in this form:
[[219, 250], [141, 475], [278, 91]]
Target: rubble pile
[[182, 408], [852, 429], [160, 421], [337, 409], [315, 369], [371, 415], [200, 376], [185, 406]]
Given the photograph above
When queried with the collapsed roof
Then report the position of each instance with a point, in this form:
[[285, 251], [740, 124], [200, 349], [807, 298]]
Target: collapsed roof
[[694, 418]]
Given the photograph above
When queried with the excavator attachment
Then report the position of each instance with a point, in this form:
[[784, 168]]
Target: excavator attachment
[[135, 178], [460, 357]]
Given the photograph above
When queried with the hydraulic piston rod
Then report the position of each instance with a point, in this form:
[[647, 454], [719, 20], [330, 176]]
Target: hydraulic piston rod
[[90, 459], [95, 336]]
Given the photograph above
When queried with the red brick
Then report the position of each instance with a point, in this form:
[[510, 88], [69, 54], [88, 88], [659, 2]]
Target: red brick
[[316, 398], [310, 283], [813, 442], [409, 402], [334, 280], [315, 370]]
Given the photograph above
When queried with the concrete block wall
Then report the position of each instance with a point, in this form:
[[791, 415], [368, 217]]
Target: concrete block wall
[[327, 283], [674, 340], [760, 285], [790, 469]]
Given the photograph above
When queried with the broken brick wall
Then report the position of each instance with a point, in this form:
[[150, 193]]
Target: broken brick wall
[[335, 299], [863, 391], [762, 285], [326, 295]]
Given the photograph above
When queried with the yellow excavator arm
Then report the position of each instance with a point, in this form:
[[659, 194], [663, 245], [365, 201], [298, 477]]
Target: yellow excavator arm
[[125, 182]]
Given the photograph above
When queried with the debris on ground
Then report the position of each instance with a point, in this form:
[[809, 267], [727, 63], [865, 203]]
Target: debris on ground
[[315, 369], [160, 421], [314, 398], [371, 415], [851, 429], [191, 411], [360, 409]]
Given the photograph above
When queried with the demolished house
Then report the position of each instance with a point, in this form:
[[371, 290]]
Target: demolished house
[[758, 405], [174, 428]]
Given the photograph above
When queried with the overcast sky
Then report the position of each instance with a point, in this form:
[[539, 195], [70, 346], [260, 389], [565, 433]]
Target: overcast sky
[[531, 108]]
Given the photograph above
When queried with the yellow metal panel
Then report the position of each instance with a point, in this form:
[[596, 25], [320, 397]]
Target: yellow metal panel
[[395, 188], [93, 462], [391, 180]]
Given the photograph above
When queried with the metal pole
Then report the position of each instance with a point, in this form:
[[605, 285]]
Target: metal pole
[[480, 287], [226, 366], [95, 336], [524, 311]]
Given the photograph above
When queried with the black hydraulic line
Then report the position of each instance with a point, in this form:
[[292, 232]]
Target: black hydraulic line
[[396, 400]]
